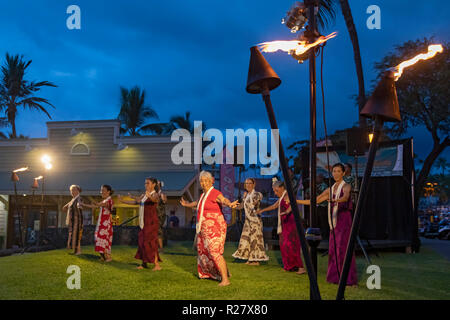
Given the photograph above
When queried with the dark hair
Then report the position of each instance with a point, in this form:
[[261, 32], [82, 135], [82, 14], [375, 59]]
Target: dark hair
[[340, 165], [108, 187], [155, 181], [252, 180], [349, 165]]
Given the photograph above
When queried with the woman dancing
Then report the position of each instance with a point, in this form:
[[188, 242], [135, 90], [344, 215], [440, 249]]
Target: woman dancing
[[104, 230], [287, 230], [74, 220], [211, 230], [251, 244], [149, 224], [339, 219]]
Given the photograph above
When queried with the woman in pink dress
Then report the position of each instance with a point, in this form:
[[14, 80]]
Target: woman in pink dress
[[104, 230], [211, 230], [287, 230], [339, 219]]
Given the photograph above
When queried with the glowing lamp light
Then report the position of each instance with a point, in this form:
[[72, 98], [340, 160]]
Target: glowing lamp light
[[370, 137], [45, 159]]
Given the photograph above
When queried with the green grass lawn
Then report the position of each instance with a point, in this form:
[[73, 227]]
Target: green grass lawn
[[43, 276]]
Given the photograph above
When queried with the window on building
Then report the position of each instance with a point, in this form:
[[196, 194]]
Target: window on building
[[52, 219], [80, 149]]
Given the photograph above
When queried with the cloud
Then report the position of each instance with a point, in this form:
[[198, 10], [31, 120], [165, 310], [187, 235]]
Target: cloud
[[57, 73]]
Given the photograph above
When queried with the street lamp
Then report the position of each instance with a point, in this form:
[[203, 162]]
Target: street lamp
[[46, 160], [14, 179]]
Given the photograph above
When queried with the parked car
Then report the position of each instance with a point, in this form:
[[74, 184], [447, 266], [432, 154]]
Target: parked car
[[444, 230], [431, 230]]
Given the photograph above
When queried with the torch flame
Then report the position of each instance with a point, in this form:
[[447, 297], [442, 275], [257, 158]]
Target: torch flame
[[38, 178], [432, 51], [297, 47], [21, 169]]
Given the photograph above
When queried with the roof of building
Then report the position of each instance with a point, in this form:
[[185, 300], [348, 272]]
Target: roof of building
[[175, 183]]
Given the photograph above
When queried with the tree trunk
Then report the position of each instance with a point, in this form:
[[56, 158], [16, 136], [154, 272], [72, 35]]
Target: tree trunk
[[13, 126], [347, 13], [427, 165]]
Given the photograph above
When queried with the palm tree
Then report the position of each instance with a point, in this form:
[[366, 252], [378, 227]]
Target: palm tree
[[347, 13], [180, 122], [15, 91], [3, 123], [133, 111], [326, 13]]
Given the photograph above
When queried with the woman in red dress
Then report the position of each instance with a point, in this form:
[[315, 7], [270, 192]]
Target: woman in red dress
[[104, 230], [287, 230], [149, 224], [211, 230]]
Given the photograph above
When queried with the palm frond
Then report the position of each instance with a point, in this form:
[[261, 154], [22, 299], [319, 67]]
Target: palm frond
[[133, 111], [326, 14]]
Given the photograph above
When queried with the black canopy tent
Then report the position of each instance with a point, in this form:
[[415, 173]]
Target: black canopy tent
[[389, 211]]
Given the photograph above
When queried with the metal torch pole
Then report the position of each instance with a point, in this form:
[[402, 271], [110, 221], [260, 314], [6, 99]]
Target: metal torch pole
[[312, 125], [358, 211], [314, 291]]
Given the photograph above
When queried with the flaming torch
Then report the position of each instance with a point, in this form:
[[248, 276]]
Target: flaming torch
[[262, 79], [432, 51], [383, 107], [295, 48], [299, 49]]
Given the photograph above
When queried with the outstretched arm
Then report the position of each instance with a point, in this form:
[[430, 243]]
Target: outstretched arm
[[92, 206], [66, 206], [188, 204], [221, 199], [269, 208], [321, 198]]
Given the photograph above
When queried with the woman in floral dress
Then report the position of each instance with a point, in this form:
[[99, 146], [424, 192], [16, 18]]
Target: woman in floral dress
[[104, 230], [251, 244], [211, 230]]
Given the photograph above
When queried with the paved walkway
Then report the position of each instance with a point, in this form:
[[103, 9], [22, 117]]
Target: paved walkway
[[440, 246]]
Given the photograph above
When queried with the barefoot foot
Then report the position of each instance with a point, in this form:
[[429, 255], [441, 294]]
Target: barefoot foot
[[224, 283], [301, 271], [156, 268]]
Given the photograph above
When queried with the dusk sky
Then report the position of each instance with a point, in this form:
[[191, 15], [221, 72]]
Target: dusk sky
[[194, 55]]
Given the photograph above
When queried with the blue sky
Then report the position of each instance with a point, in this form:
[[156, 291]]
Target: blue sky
[[193, 55]]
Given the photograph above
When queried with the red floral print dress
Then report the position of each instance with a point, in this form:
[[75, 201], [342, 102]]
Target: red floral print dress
[[104, 229]]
